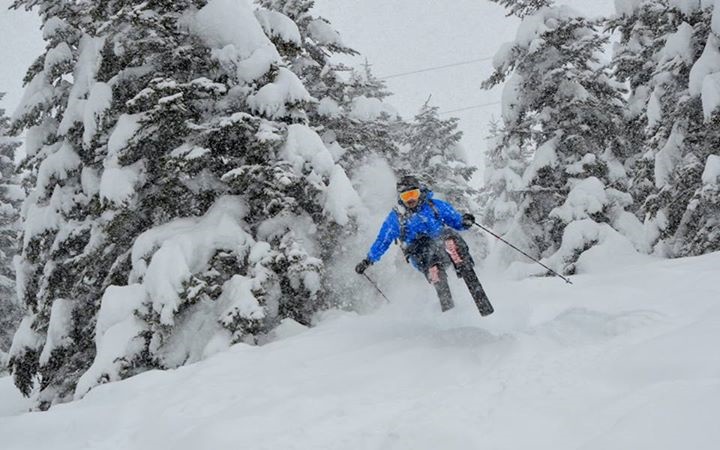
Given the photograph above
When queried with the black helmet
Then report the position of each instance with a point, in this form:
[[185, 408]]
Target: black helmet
[[407, 183]]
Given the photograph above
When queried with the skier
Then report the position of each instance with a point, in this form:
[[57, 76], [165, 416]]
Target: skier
[[425, 226]]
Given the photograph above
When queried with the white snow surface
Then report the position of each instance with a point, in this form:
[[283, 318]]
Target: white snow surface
[[668, 157], [545, 156], [342, 200], [230, 22], [654, 107], [304, 146], [623, 359], [98, 103], [679, 45], [627, 7], [57, 165], [117, 183], [544, 20], [585, 198], [117, 335], [286, 89], [715, 22], [58, 328], [707, 64], [323, 33], [237, 38], [368, 109], [711, 174], [182, 247], [86, 68], [710, 95], [279, 25]]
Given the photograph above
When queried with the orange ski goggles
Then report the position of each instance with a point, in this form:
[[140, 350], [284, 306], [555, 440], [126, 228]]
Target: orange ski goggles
[[407, 196]]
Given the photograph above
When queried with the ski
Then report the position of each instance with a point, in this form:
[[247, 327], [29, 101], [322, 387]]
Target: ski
[[476, 290]]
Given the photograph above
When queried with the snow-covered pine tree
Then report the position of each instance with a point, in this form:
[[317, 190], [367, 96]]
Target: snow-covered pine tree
[[670, 55], [179, 192], [700, 226], [363, 82], [433, 152], [505, 162], [564, 107], [687, 132], [349, 113], [522, 8], [10, 199], [355, 123], [643, 28], [365, 126], [694, 181], [55, 206]]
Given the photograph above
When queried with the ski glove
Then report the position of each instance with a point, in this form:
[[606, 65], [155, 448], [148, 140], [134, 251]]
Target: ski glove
[[468, 220], [362, 266]]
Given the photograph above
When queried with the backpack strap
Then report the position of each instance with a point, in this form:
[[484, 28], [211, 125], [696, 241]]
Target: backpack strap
[[402, 218], [434, 209]]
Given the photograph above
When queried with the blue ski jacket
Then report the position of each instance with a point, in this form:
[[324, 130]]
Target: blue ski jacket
[[423, 221]]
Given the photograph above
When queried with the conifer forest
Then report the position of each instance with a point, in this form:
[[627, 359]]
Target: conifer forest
[[334, 224]]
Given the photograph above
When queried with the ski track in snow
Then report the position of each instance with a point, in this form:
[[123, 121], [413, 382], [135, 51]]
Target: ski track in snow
[[624, 359]]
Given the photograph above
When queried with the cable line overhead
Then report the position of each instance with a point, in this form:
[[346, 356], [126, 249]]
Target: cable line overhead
[[482, 105], [430, 69]]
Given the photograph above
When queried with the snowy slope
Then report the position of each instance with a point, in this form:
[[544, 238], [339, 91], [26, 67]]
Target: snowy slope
[[624, 359]]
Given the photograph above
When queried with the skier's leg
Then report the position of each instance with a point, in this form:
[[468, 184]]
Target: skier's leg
[[459, 254], [428, 256], [437, 276], [457, 250]]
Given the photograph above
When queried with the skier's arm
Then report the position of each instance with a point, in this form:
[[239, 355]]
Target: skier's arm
[[449, 215], [389, 231]]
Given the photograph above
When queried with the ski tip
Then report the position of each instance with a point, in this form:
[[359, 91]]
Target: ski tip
[[487, 312]]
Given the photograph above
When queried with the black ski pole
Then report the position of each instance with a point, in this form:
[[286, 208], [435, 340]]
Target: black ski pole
[[376, 287], [517, 249]]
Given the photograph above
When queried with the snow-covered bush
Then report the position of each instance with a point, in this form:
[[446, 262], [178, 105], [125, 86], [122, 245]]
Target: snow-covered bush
[[183, 200]]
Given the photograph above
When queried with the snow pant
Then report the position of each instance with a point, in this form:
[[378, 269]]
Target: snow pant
[[432, 256]]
